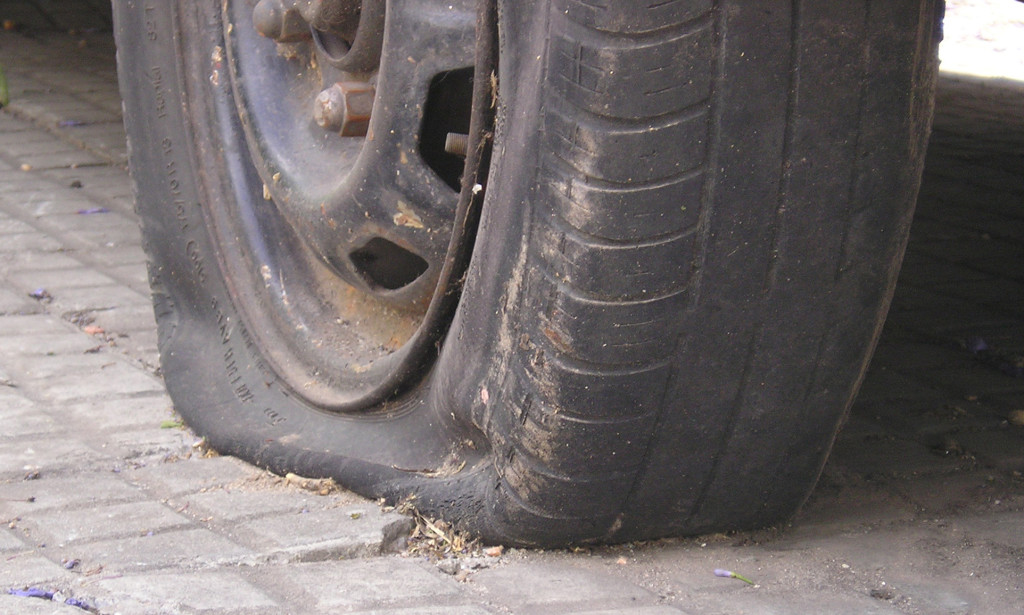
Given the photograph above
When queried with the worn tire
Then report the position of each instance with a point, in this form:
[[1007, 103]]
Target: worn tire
[[693, 224]]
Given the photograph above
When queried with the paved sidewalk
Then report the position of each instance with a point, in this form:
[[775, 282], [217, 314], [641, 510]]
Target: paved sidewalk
[[108, 502]]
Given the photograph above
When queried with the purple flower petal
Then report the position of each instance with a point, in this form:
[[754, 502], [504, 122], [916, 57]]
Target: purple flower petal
[[41, 294], [723, 573], [31, 592], [976, 345], [82, 604], [93, 210]]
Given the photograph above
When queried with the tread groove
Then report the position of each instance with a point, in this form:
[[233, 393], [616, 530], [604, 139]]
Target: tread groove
[[584, 118], [730, 426], [585, 297], [653, 23], [596, 366], [786, 166], [634, 186], [710, 162], [856, 170], [584, 238], [665, 35], [602, 370], [714, 117]]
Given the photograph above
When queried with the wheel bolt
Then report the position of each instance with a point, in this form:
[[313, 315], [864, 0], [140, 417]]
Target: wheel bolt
[[345, 108], [281, 21], [456, 143]]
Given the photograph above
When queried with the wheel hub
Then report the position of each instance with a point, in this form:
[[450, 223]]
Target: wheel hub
[[357, 169], [349, 137], [348, 32]]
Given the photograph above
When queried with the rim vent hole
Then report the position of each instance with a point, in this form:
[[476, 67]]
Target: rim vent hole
[[387, 265]]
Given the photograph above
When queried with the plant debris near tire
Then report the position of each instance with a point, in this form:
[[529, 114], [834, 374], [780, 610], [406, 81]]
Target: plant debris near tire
[[436, 538]]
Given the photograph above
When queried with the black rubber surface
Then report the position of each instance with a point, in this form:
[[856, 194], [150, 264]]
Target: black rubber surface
[[694, 219]]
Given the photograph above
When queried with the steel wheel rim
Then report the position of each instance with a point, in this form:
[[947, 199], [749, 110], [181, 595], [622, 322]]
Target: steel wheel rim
[[341, 347]]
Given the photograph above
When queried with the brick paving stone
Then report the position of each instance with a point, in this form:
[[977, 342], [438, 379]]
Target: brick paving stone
[[932, 598], [260, 494], [35, 208], [946, 494], [142, 346], [150, 446], [11, 124], [126, 414], [205, 592], [549, 588], [69, 342], [26, 189], [17, 303], [788, 604], [366, 584], [99, 298], [892, 456], [46, 112], [105, 181], [835, 508], [230, 504], [45, 210], [117, 379], [1004, 530], [192, 475], [117, 255], [109, 99], [19, 242], [347, 532], [890, 386], [1013, 400], [25, 422], [99, 522], [9, 225], [186, 548], [662, 610], [53, 453], [36, 261], [973, 380], [36, 144], [11, 399], [44, 367], [78, 490], [927, 312], [910, 356], [56, 279], [56, 14], [136, 277], [36, 606], [458, 610], [992, 291], [41, 324], [27, 568], [106, 140], [1001, 449], [66, 158], [99, 228], [8, 542]]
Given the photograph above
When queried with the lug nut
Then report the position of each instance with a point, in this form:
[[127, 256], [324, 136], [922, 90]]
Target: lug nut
[[345, 108], [456, 143], [281, 21]]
